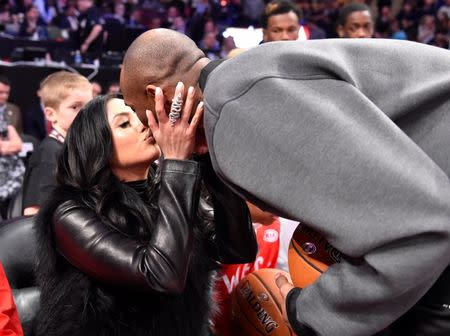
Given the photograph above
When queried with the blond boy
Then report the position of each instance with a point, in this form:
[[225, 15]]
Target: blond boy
[[63, 94]]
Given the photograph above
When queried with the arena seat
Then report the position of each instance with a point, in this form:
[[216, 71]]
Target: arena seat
[[17, 254]]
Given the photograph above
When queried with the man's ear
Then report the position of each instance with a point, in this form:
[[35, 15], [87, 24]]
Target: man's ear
[[340, 31], [265, 35], [150, 91], [50, 114]]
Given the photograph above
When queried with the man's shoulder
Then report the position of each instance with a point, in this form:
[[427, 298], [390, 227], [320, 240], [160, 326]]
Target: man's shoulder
[[50, 146], [47, 151]]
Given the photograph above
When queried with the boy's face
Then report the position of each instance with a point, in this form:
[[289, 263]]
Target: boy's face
[[63, 117]]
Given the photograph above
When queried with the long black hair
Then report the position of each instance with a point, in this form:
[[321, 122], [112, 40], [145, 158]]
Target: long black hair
[[84, 169]]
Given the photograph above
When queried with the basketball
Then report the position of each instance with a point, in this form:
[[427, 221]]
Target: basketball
[[309, 255], [256, 305]]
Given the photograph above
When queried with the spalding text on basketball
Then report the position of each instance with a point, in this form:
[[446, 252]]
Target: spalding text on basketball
[[263, 316]]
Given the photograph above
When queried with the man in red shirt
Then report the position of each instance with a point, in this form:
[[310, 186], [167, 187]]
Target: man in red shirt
[[267, 228]]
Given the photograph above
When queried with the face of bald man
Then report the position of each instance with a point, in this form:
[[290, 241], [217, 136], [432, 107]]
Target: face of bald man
[[141, 97], [138, 98]]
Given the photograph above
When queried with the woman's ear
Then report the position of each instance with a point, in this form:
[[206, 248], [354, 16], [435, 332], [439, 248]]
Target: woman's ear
[[264, 35], [340, 31]]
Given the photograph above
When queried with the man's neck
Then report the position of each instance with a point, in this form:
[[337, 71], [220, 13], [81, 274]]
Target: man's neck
[[206, 70]]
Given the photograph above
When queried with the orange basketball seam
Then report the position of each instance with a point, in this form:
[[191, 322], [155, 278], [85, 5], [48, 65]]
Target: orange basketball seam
[[268, 289], [306, 260]]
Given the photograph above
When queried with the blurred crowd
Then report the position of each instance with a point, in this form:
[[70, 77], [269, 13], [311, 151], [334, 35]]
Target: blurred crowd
[[94, 27]]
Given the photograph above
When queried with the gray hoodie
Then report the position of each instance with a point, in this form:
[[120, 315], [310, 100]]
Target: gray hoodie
[[352, 137]]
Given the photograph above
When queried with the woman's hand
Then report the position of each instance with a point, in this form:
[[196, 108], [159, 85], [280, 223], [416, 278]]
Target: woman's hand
[[176, 139]]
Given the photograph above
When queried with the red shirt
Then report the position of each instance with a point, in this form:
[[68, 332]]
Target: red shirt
[[9, 320], [268, 238]]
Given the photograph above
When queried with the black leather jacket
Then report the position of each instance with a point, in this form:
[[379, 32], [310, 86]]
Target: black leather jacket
[[160, 263]]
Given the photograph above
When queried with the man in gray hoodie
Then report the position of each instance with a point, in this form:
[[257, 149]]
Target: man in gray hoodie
[[357, 136]]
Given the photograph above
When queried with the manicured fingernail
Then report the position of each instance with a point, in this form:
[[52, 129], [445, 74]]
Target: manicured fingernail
[[190, 90], [179, 85], [200, 105], [158, 90]]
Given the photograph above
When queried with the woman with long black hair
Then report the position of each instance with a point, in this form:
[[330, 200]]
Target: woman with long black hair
[[123, 254]]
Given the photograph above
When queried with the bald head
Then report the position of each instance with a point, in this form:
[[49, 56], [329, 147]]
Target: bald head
[[158, 57], [160, 54]]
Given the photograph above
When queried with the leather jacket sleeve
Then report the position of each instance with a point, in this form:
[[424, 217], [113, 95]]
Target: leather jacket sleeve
[[234, 241], [160, 264]]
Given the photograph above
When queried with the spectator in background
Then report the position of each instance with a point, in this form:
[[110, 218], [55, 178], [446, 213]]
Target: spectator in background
[[63, 94], [96, 89], [280, 21], [136, 19], [5, 16], [179, 24], [355, 21], [210, 27], [198, 25], [210, 46], [426, 30], [114, 28], [90, 29], [227, 46], [9, 111], [383, 22], [33, 26], [67, 21], [155, 22], [396, 31], [444, 9], [440, 40], [11, 166], [172, 13], [428, 7], [407, 12], [47, 10], [119, 12], [407, 17], [34, 122], [113, 88], [252, 10], [442, 23]]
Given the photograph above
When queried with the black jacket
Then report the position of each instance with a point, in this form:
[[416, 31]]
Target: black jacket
[[103, 278]]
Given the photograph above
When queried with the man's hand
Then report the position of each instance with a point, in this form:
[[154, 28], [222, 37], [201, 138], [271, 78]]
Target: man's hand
[[285, 287], [84, 48]]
